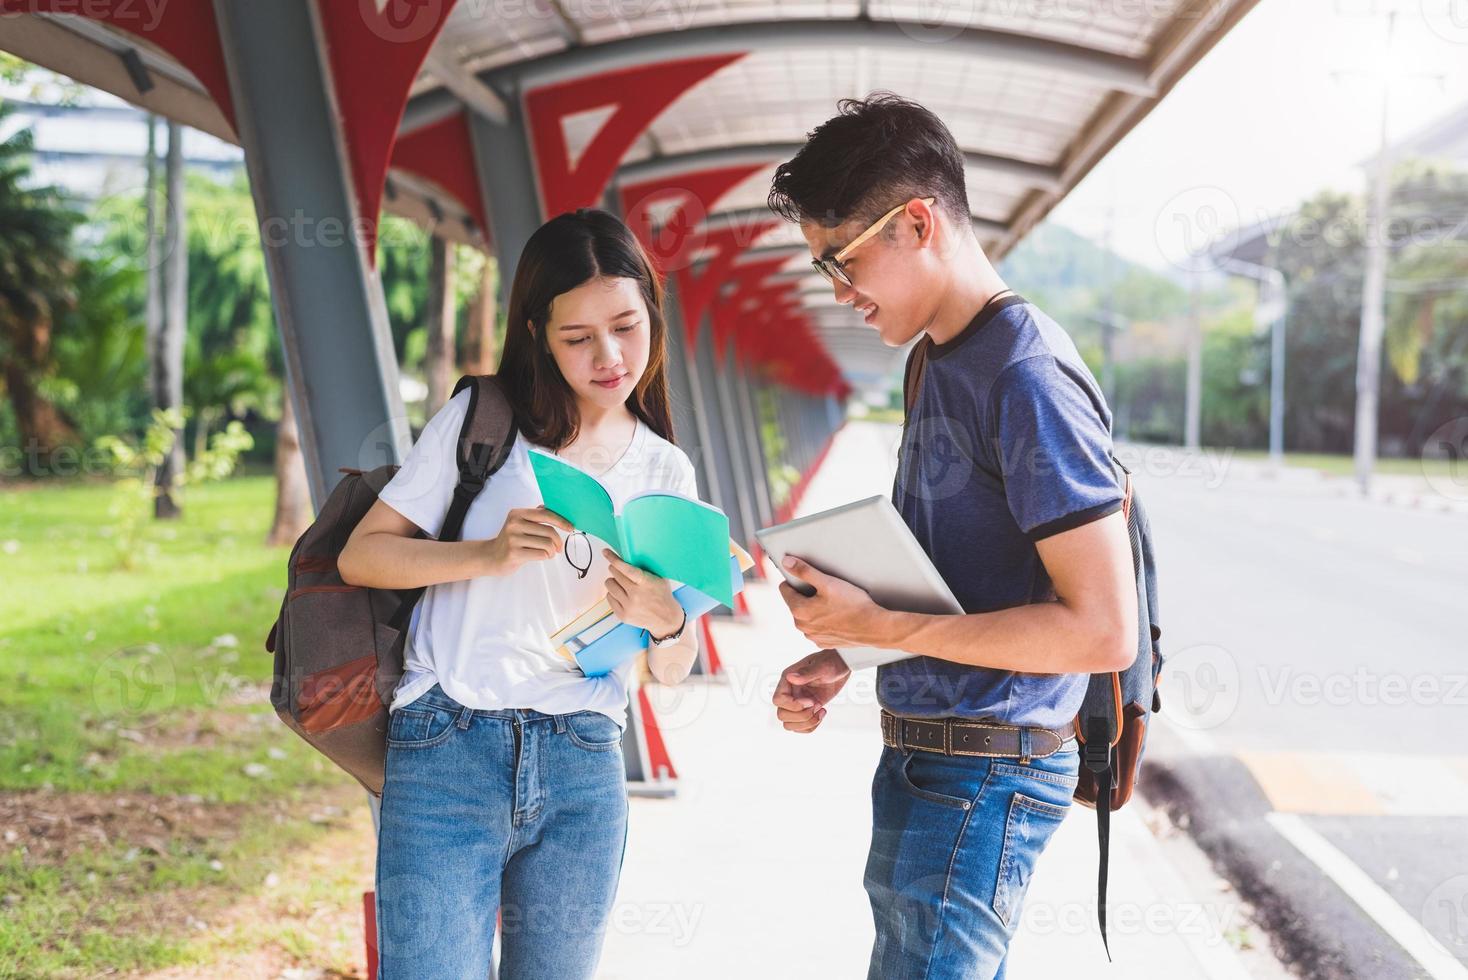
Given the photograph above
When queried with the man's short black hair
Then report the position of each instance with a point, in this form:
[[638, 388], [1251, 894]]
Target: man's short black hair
[[877, 153]]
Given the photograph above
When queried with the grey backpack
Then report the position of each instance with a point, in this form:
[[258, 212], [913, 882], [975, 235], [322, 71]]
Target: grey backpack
[[338, 647]]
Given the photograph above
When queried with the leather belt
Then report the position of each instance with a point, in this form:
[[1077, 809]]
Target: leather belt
[[957, 736]]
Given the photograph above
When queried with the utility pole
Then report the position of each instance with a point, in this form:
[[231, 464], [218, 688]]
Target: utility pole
[[169, 353], [153, 284], [1373, 291], [1193, 397], [1108, 320], [1280, 307]]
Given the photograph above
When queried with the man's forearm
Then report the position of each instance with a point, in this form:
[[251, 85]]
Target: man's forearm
[[1041, 638]]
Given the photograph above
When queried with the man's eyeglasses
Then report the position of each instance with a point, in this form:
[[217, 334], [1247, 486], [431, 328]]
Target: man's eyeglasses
[[832, 268]]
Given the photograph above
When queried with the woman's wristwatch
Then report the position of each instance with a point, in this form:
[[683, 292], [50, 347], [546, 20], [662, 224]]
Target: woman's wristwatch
[[671, 637]]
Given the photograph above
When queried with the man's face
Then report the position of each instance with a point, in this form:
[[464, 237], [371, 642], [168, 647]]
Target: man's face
[[893, 273]]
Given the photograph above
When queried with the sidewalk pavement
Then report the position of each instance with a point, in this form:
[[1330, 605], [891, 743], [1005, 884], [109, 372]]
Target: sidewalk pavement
[[755, 868]]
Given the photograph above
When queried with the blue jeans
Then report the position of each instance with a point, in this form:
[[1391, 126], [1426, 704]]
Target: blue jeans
[[512, 812], [954, 840]]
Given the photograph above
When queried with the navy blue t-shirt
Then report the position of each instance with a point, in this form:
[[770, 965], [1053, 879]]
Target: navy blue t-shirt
[[1008, 442]]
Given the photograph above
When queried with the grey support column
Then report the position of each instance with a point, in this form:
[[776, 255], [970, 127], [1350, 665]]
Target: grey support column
[[507, 184], [328, 303], [683, 404], [802, 426], [702, 399], [720, 453], [732, 424], [753, 445]]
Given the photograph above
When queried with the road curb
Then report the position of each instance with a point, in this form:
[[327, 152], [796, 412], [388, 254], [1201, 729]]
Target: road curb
[[1314, 929]]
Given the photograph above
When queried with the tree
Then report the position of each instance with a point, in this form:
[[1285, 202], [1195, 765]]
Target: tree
[[99, 348], [36, 284], [1322, 255]]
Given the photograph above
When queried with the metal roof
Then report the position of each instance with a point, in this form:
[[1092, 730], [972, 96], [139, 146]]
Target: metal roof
[[1036, 92]]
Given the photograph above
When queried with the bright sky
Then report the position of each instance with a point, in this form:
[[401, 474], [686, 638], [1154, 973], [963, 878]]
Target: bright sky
[[1286, 105]]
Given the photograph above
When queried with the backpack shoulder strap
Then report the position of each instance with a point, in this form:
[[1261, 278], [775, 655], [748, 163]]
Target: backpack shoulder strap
[[485, 440], [912, 377]]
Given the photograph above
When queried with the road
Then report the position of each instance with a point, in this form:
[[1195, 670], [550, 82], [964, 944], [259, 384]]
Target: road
[[1316, 705]]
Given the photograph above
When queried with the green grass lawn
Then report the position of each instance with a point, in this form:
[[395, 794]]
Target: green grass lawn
[[147, 684]]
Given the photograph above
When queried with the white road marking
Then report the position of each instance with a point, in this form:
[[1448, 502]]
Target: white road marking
[[1394, 920]]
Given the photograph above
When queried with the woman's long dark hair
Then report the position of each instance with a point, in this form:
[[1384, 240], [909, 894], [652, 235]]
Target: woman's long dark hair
[[565, 252]]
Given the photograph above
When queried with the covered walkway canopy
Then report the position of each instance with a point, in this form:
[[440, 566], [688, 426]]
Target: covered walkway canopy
[[480, 120]]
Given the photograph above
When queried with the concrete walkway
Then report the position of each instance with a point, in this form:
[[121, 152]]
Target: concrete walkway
[[754, 869]]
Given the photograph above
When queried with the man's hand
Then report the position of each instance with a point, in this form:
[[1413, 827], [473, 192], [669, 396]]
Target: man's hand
[[838, 615], [805, 688]]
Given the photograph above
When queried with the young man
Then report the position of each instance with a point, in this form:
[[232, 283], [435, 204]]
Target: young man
[[1005, 479]]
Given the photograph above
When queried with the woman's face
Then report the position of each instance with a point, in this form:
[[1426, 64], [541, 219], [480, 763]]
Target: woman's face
[[600, 336]]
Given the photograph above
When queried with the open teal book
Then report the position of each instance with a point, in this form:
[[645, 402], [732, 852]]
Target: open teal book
[[663, 532]]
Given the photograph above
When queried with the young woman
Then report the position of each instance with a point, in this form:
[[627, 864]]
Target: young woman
[[505, 787]]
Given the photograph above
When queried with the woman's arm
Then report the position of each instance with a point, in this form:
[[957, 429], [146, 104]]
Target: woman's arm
[[643, 599], [383, 553], [672, 663]]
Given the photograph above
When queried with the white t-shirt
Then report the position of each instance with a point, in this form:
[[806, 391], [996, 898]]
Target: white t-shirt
[[486, 640]]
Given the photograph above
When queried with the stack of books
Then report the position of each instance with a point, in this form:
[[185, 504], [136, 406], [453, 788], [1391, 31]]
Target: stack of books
[[597, 642]]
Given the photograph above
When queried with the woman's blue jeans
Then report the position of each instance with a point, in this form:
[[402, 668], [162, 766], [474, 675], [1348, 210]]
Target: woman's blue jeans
[[954, 841], [508, 814]]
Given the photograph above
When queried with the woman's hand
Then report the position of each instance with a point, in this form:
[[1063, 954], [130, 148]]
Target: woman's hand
[[529, 535], [640, 598]]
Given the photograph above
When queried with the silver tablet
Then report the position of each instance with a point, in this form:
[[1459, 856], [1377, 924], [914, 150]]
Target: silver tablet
[[867, 544]]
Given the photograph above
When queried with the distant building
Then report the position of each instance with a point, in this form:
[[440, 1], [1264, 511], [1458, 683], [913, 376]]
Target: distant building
[[1444, 139], [96, 149]]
